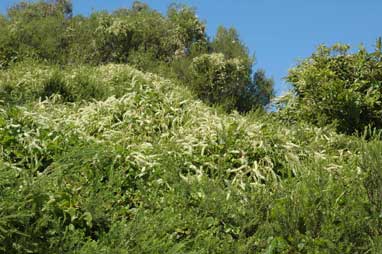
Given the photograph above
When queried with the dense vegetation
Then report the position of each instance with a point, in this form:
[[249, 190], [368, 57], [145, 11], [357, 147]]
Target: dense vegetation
[[336, 87], [117, 139], [143, 38]]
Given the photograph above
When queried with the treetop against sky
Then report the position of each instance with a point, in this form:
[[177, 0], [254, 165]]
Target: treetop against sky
[[278, 32]]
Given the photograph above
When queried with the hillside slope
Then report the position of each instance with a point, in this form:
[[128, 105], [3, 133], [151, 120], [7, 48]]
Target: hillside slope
[[112, 160]]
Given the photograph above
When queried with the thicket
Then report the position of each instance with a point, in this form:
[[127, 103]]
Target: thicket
[[97, 156], [141, 166], [47, 31]]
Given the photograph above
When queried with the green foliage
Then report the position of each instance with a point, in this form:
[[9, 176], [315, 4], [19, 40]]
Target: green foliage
[[118, 37], [80, 36], [143, 33], [227, 41], [257, 93], [371, 163], [7, 53], [21, 85], [226, 82], [254, 93], [334, 86], [47, 31], [56, 85], [108, 159], [37, 30], [189, 29], [219, 80], [142, 167]]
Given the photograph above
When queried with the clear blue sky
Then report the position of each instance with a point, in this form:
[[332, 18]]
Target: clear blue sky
[[279, 32]]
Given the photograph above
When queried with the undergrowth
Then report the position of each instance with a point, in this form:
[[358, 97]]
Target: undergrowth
[[112, 160]]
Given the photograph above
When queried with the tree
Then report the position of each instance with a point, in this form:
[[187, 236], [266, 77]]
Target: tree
[[65, 6], [256, 94], [336, 87], [81, 38], [138, 6], [7, 54], [258, 91], [175, 44], [37, 29], [119, 36], [188, 31], [217, 80], [227, 41], [29, 10]]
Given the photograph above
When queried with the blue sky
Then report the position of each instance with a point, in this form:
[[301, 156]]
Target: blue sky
[[279, 32]]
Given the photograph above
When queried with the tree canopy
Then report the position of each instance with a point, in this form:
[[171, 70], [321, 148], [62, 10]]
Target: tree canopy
[[334, 86]]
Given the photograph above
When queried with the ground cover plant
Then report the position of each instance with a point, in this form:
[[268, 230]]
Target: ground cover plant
[[107, 158]]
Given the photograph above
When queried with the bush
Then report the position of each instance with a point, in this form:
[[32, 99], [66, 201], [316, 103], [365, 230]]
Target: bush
[[56, 85], [150, 169], [336, 87]]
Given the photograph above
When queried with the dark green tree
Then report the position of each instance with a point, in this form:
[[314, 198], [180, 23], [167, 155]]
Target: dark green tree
[[256, 94], [37, 29], [66, 7], [227, 41], [220, 81], [138, 6]]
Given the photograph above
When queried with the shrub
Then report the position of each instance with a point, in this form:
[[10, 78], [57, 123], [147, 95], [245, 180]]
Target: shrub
[[150, 169], [56, 85], [335, 86]]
